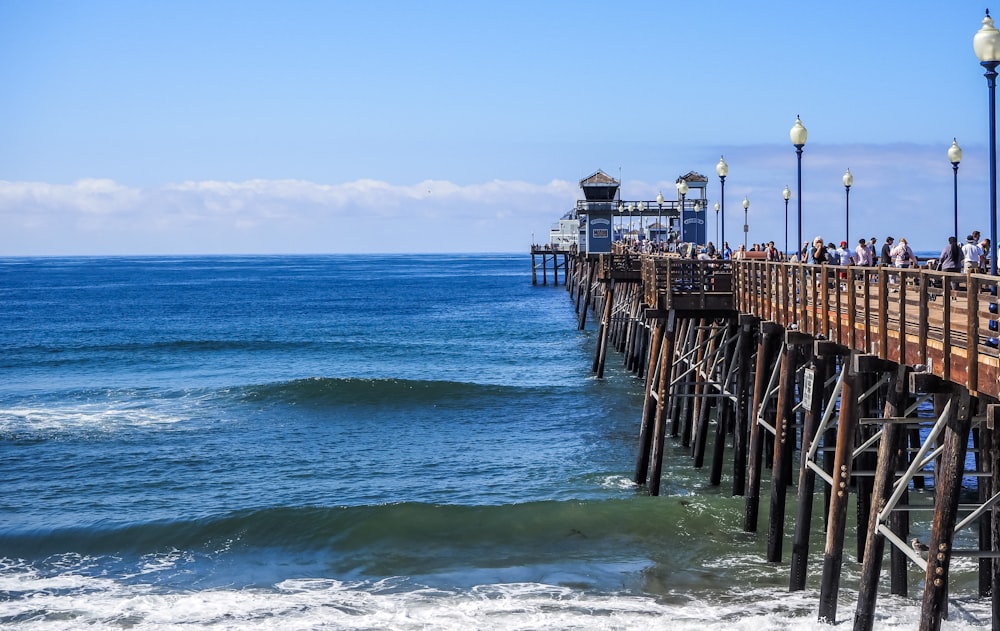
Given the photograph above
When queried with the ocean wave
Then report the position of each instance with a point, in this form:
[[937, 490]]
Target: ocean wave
[[324, 391], [310, 603], [407, 526]]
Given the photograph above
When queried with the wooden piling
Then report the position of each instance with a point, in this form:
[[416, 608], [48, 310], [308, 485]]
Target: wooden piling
[[812, 399], [891, 456], [725, 407], [784, 438], [766, 349], [947, 489], [741, 413], [833, 553], [659, 428], [650, 403]]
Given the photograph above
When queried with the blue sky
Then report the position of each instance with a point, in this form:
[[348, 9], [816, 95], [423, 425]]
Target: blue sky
[[387, 126]]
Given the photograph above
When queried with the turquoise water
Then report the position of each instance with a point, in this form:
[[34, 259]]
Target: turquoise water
[[348, 442]]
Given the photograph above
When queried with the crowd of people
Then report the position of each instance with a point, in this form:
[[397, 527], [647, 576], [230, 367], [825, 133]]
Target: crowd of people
[[972, 255]]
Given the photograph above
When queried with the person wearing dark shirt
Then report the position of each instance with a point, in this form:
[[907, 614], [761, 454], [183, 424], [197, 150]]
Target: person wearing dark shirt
[[885, 258], [818, 252]]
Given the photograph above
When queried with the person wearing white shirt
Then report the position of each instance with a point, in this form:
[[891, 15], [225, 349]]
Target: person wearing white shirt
[[972, 253], [862, 255]]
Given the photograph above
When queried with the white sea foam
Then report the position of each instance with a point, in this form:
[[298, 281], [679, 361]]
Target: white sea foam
[[75, 601], [90, 417], [618, 482]]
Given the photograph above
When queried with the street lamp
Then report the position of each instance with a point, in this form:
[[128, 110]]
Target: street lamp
[[955, 156], [682, 188], [621, 219], [717, 226], [798, 135], [787, 194], [659, 215], [630, 207], [723, 170], [986, 43], [642, 209], [746, 225], [848, 181], [699, 222]]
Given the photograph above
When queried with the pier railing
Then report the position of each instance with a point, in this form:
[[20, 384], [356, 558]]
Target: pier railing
[[947, 322]]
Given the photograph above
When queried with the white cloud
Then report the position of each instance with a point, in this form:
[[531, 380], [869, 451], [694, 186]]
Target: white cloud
[[102, 216]]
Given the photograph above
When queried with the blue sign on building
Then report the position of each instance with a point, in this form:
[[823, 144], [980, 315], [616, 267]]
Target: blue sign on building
[[694, 227]]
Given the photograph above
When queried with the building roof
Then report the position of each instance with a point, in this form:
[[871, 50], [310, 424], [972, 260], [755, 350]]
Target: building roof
[[598, 178], [693, 176]]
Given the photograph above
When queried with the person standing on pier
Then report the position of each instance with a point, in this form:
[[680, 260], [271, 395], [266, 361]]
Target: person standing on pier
[[872, 252], [862, 255], [951, 260], [903, 255], [818, 252], [885, 258], [727, 252], [973, 254], [772, 252], [846, 257]]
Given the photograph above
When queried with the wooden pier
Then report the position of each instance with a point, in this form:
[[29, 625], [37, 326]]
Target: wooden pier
[[542, 256], [870, 381]]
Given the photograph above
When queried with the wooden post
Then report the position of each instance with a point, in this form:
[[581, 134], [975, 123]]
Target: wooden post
[[704, 396], [762, 374], [588, 293], [812, 397], [604, 331], [660, 421], [890, 458], [948, 485], [784, 432], [992, 438], [741, 429], [833, 554], [723, 411], [649, 405]]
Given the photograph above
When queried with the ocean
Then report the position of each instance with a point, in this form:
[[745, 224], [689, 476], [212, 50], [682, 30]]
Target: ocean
[[354, 442]]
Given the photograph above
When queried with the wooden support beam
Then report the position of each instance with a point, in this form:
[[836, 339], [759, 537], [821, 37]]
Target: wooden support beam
[[741, 424], [660, 421], [890, 457], [650, 403], [725, 407], [766, 350], [833, 554], [950, 468], [784, 437]]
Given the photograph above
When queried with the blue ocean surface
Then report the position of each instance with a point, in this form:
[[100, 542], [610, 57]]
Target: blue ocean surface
[[349, 442]]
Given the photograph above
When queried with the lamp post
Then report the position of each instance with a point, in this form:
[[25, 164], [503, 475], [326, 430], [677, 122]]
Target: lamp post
[[659, 220], [786, 194], [848, 181], [682, 188], [955, 156], [698, 223], [621, 219], [719, 243], [986, 43], [746, 225], [723, 170], [642, 220], [630, 207], [798, 135]]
